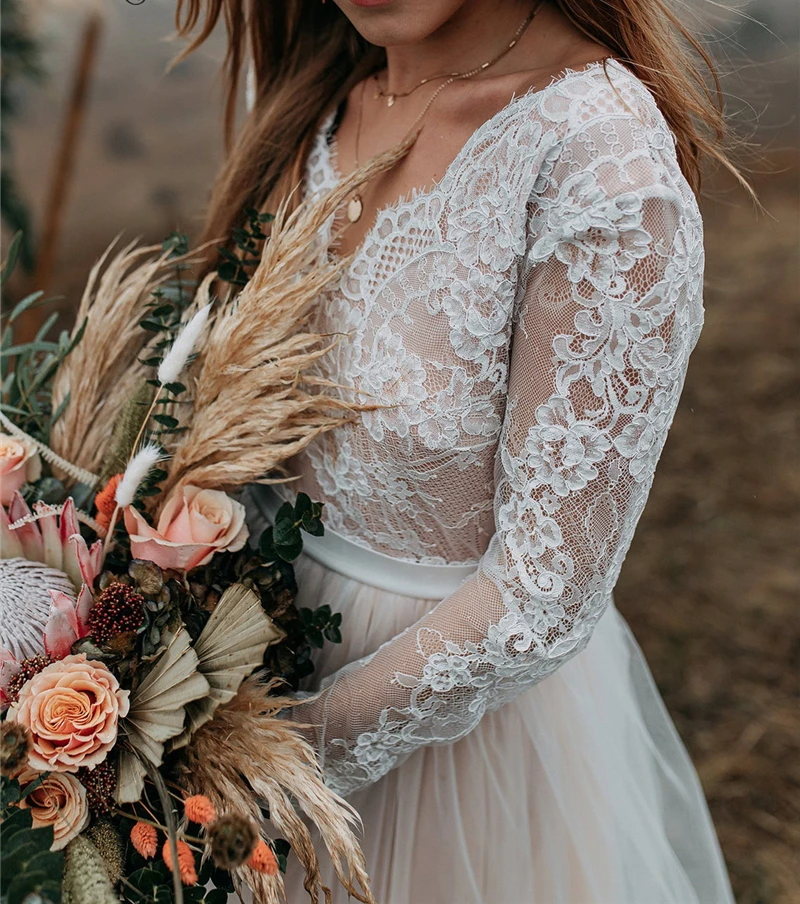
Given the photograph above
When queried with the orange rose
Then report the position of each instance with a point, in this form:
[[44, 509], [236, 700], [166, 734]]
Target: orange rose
[[58, 801], [194, 525], [19, 463], [71, 708]]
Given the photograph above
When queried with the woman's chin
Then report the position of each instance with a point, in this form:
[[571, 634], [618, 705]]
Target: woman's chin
[[390, 23]]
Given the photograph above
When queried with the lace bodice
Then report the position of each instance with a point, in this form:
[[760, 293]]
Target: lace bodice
[[525, 325]]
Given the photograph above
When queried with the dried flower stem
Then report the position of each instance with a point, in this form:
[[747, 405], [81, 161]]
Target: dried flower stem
[[157, 825], [171, 828], [78, 474], [82, 516]]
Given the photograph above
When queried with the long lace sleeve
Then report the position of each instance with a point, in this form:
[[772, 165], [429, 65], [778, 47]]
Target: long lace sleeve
[[608, 314]]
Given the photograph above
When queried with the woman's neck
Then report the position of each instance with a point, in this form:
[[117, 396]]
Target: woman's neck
[[459, 45]]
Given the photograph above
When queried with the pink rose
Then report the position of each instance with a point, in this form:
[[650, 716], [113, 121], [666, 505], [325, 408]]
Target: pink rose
[[19, 463], [71, 708], [194, 525], [59, 801]]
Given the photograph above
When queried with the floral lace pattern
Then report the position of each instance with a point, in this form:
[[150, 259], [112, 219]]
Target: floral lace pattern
[[525, 326]]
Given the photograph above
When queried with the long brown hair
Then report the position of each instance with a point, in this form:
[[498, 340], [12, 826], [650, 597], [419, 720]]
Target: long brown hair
[[307, 56]]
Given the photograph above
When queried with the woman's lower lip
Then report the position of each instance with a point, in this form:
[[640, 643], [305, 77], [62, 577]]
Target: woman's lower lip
[[370, 2]]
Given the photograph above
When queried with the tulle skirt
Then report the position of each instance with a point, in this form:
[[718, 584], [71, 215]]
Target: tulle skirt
[[579, 791]]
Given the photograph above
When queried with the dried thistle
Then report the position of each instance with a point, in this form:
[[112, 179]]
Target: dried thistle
[[246, 753], [232, 839], [15, 745]]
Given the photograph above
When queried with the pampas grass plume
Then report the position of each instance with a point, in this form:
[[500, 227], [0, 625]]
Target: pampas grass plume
[[138, 468], [175, 359]]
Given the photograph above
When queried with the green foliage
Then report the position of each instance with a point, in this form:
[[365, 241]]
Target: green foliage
[[321, 624], [150, 881], [281, 847], [27, 865], [20, 55], [151, 884], [237, 269], [27, 369], [284, 540]]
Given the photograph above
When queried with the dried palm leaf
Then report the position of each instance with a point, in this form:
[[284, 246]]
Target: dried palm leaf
[[245, 753], [157, 711], [104, 372], [230, 647], [255, 404]]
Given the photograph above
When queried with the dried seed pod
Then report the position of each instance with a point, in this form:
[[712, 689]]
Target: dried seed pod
[[233, 839]]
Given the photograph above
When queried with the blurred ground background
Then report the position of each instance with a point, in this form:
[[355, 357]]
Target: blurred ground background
[[712, 583]]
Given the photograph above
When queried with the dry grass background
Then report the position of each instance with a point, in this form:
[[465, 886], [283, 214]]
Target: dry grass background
[[711, 585]]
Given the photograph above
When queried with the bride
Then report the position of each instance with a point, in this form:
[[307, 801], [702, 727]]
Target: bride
[[521, 296]]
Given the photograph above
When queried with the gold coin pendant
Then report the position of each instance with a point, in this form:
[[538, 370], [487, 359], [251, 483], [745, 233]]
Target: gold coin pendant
[[355, 208]]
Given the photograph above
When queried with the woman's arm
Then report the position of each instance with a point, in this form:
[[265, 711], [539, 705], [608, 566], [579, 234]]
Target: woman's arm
[[611, 312]]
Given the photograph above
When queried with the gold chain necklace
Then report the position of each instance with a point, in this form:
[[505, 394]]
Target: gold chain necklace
[[355, 206], [392, 96]]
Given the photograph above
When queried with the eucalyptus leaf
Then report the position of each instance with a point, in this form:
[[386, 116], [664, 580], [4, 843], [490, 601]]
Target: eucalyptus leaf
[[26, 304], [11, 258]]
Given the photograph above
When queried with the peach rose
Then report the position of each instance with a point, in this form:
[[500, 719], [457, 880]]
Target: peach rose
[[59, 801], [19, 463], [71, 708], [194, 525]]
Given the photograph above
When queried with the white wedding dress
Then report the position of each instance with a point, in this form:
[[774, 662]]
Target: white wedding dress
[[527, 324]]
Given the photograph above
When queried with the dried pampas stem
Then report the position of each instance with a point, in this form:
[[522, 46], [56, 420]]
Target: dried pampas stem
[[245, 753], [244, 427], [79, 475], [52, 511], [104, 370]]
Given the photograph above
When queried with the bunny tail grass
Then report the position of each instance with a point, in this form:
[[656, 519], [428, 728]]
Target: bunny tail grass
[[256, 401], [245, 753], [138, 468], [175, 359], [104, 371]]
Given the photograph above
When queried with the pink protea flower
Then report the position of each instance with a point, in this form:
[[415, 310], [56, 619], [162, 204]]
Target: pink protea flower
[[52, 538], [45, 609]]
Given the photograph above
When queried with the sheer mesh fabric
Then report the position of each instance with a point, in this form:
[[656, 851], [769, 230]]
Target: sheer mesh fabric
[[526, 325]]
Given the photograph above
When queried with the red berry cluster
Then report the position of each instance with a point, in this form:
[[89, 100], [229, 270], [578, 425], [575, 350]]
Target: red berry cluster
[[119, 610], [28, 668], [100, 784]]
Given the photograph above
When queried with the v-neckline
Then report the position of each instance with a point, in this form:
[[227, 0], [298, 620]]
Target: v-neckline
[[330, 154]]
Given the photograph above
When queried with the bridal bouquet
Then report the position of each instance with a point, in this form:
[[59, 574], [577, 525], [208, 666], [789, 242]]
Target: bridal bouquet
[[146, 635]]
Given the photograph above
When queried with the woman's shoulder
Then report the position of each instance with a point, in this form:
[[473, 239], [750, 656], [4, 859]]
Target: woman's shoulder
[[581, 98], [599, 116]]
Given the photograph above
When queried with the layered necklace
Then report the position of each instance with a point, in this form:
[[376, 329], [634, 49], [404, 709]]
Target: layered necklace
[[355, 206]]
